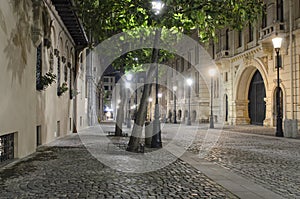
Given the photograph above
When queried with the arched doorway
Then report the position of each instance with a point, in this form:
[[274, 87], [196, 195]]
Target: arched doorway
[[256, 95]]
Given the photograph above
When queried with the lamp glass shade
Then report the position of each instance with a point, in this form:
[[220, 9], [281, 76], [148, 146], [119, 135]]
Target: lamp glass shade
[[189, 81], [277, 42], [174, 88], [157, 6], [212, 72], [129, 76]]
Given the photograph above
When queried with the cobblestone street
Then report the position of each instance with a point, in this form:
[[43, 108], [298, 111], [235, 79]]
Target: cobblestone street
[[72, 172], [66, 169]]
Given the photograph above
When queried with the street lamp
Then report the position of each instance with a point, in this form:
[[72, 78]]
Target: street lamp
[[189, 82], [277, 45], [129, 78], [157, 7], [174, 98], [212, 73]]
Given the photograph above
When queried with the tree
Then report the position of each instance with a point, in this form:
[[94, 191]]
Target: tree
[[186, 16]]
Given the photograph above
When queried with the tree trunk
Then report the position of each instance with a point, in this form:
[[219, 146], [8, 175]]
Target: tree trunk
[[136, 134], [120, 111]]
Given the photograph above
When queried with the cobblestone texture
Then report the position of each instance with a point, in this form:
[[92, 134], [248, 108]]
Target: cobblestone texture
[[271, 162], [71, 172]]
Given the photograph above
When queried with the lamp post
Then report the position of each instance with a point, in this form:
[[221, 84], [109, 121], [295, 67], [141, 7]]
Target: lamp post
[[277, 45], [157, 7], [212, 73], [129, 78], [174, 98], [189, 82]]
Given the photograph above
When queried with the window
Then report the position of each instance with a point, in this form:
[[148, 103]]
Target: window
[[6, 147], [280, 10], [227, 40], [264, 17], [39, 85], [240, 38], [182, 64], [250, 29], [226, 77], [189, 59], [106, 79]]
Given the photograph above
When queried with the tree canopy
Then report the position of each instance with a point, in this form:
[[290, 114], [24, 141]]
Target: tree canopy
[[105, 18]]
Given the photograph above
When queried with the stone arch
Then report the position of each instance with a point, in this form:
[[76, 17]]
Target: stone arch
[[243, 78]]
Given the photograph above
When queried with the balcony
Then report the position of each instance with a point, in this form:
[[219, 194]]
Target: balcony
[[277, 27]]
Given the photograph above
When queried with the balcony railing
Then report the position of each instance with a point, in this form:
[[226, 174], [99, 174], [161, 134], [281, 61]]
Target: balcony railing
[[277, 27]]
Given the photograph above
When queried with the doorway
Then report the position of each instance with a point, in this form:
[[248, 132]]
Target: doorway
[[256, 95]]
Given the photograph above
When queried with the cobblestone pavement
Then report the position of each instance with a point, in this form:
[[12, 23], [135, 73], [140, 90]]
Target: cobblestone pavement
[[271, 162], [67, 170]]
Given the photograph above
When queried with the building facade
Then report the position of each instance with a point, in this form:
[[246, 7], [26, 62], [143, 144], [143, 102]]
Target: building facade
[[246, 62], [43, 75]]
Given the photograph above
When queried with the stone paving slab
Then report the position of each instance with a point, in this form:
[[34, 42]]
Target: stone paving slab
[[238, 185], [271, 162]]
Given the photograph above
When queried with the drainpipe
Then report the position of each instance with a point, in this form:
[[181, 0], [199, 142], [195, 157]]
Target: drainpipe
[[291, 57]]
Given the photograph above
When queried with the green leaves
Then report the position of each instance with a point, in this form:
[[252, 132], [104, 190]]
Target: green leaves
[[106, 18]]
